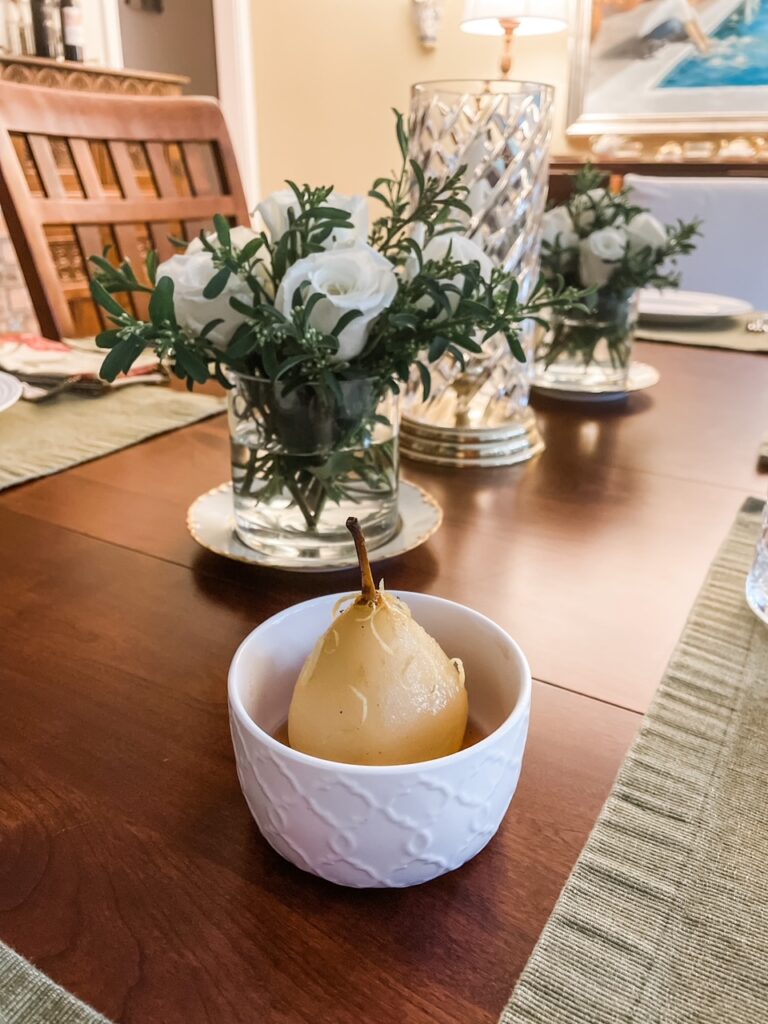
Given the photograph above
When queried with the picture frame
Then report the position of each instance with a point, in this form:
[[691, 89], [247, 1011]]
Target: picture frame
[[636, 69]]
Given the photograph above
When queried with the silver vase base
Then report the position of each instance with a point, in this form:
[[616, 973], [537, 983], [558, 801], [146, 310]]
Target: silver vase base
[[463, 446]]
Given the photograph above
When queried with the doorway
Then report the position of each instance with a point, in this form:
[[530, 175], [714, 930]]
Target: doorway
[[177, 40]]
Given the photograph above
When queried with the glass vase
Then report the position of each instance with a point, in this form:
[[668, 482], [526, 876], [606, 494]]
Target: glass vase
[[305, 459], [499, 131], [589, 351]]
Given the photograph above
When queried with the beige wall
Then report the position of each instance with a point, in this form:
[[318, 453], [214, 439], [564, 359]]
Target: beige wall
[[328, 72]]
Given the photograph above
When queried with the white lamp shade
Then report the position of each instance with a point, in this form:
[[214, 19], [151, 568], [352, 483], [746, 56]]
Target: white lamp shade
[[535, 17]]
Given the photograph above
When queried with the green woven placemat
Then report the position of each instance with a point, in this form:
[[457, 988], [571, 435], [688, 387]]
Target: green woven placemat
[[38, 439], [28, 997], [664, 919], [731, 333]]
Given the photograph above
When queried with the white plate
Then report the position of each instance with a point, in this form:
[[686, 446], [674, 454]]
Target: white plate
[[211, 521], [10, 391], [641, 376], [671, 305]]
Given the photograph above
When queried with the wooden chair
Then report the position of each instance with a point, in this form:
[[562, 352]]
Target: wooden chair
[[80, 171]]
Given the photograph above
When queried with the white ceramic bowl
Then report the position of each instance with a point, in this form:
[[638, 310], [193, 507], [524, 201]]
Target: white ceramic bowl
[[379, 826]]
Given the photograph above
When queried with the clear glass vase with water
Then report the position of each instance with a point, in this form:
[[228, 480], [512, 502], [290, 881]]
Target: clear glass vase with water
[[306, 458], [590, 350]]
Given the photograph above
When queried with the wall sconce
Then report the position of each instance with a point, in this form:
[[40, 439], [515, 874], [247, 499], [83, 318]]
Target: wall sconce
[[509, 17], [427, 15]]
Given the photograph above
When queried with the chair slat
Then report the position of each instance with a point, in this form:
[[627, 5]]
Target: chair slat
[[89, 240], [126, 173], [161, 243], [86, 168], [128, 246], [157, 155], [158, 163], [203, 171], [47, 168]]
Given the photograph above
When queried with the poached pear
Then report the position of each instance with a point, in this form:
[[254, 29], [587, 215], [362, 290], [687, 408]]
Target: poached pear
[[377, 688]]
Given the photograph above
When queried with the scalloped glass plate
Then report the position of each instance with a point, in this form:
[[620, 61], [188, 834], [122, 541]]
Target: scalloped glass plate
[[210, 520], [641, 376]]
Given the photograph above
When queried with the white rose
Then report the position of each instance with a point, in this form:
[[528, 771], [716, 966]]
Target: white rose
[[586, 205], [275, 208], [191, 271], [358, 277], [462, 250], [557, 228], [645, 232], [239, 236], [598, 255]]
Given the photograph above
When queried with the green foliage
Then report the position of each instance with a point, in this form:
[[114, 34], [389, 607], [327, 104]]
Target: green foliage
[[308, 229], [645, 268], [441, 306], [409, 198]]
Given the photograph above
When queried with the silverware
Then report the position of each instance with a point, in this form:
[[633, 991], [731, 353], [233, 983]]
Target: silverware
[[84, 381], [39, 388], [89, 382]]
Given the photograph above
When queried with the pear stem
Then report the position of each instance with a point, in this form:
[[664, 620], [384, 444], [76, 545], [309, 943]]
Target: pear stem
[[368, 587]]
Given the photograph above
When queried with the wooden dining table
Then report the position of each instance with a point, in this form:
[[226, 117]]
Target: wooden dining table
[[131, 871]]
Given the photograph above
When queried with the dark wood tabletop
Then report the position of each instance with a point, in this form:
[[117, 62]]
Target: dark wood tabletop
[[130, 869]]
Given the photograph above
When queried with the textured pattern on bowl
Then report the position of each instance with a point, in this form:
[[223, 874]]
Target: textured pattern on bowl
[[388, 825]]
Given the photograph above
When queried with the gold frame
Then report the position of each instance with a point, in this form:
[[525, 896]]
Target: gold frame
[[581, 124]]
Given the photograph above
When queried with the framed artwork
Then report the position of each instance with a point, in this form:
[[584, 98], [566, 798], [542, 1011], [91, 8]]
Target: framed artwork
[[675, 66]]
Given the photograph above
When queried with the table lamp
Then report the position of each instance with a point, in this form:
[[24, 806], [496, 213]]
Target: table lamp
[[506, 17]]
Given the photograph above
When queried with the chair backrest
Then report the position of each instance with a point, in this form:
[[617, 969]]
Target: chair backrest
[[79, 172], [730, 255]]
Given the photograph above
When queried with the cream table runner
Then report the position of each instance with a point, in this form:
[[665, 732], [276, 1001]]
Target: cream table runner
[[664, 919], [38, 439]]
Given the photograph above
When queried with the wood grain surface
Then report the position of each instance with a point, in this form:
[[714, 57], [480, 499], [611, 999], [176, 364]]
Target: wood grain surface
[[130, 869]]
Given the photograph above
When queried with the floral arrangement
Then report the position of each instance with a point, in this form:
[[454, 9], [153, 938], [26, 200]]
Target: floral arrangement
[[600, 240], [314, 303]]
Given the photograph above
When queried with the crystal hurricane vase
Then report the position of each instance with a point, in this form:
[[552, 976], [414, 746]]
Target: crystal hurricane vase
[[304, 459], [592, 350], [500, 131]]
